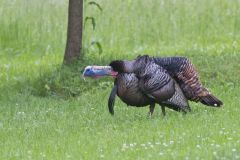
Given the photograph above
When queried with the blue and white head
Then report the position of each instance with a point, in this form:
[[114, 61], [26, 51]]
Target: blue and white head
[[99, 71]]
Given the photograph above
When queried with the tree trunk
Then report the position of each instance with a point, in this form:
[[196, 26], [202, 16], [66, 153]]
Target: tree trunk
[[74, 31]]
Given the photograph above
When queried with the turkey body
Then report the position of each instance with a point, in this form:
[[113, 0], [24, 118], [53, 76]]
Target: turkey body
[[147, 85], [129, 92], [126, 87]]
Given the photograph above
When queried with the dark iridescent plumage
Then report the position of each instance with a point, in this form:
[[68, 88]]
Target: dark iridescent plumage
[[142, 82], [186, 75], [126, 86]]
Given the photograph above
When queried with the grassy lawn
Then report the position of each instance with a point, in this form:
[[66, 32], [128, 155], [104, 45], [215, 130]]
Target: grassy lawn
[[49, 112]]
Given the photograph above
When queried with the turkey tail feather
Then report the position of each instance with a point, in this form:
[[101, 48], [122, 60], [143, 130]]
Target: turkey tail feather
[[211, 100], [111, 99]]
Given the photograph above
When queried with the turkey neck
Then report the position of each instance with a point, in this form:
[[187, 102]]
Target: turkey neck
[[129, 66], [123, 66], [136, 66]]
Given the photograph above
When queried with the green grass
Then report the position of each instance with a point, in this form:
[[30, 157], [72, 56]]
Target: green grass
[[49, 112]]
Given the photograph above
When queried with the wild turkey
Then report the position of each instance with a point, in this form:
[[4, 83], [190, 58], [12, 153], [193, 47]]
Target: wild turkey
[[186, 75], [179, 68], [126, 86]]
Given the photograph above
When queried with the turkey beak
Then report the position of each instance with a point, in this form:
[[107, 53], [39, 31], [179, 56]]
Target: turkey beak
[[83, 75]]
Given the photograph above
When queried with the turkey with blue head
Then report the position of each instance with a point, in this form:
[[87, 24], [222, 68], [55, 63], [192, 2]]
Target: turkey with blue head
[[148, 80]]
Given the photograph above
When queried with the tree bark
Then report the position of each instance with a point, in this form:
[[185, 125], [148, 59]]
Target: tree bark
[[74, 31]]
